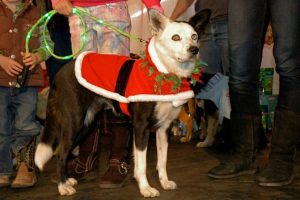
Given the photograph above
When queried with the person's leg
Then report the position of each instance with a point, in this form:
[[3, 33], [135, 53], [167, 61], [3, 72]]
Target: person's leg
[[286, 30], [209, 52], [247, 22], [110, 42], [25, 130], [104, 40], [6, 167], [221, 39], [119, 159], [76, 30], [89, 149]]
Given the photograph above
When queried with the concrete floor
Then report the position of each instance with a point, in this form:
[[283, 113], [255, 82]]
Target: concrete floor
[[187, 166]]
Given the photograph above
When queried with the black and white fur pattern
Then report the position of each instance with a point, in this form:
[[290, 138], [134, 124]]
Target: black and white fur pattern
[[72, 108]]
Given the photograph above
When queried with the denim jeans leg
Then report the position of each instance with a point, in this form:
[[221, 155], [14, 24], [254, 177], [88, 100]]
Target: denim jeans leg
[[214, 47], [25, 126], [6, 165], [208, 54], [247, 22], [221, 35], [286, 29]]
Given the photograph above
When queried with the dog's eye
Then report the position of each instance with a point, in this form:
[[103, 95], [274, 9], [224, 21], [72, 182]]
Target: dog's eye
[[194, 37], [176, 37]]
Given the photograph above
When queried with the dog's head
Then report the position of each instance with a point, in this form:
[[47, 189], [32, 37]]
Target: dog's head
[[174, 45]]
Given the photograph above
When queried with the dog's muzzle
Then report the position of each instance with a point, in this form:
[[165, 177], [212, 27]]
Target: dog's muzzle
[[194, 50]]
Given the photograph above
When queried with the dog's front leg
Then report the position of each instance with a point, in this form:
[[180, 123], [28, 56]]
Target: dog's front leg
[[141, 138], [162, 154]]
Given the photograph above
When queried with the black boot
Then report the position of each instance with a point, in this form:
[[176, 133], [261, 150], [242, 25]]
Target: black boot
[[244, 130], [279, 170], [119, 158]]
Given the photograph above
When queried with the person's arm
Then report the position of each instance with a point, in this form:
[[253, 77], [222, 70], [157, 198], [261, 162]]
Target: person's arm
[[180, 8], [63, 7], [155, 4]]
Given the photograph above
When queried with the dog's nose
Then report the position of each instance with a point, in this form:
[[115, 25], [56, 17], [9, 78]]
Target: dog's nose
[[194, 50]]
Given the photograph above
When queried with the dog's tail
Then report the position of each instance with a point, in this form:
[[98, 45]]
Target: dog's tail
[[43, 153]]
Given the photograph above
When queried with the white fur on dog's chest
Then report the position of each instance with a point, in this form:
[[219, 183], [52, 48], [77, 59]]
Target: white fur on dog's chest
[[165, 112]]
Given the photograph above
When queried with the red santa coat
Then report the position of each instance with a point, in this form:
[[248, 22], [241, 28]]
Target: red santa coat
[[125, 80]]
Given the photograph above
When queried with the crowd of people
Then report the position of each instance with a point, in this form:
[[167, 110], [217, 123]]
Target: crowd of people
[[232, 45]]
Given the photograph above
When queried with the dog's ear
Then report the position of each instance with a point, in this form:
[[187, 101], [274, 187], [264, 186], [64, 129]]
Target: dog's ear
[[157, 20], [200, 20]]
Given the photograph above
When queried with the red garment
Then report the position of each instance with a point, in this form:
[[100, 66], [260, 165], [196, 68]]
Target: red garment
[[99, 73]]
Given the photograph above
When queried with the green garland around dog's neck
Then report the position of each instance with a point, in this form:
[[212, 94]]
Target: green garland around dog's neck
[[162, 78]]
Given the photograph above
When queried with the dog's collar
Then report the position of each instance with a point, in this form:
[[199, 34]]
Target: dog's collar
[[152, 54]]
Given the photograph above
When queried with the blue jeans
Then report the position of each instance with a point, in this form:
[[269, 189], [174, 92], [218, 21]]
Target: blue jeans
[[248, 21], [17, 125], [214, 47]]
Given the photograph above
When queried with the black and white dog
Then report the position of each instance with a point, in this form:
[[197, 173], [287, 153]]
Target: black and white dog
[[78, 94]]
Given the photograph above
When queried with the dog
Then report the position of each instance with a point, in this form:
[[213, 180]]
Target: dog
[[197, 117], [207, 114], [184, 124], [200, 116], [77, 96]]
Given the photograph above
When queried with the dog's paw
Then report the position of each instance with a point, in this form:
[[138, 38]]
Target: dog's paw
[[66, 189], [204, 144], [149, 192], [184, 139], [71, 181], [168, 185], [176, 131]]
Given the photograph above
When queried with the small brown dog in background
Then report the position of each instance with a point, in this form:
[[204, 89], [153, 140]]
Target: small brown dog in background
[[183, 125], [208, 115], [204, 114]]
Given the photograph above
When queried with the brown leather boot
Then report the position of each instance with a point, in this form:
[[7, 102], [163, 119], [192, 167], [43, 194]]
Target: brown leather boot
[[118, 167], [88, 158], [26, 176], [87, 161], [4, 181]]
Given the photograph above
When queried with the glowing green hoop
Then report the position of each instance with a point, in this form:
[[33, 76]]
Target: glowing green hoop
[[81, 14], [45, 19]]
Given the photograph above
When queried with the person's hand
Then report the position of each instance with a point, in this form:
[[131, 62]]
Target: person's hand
[[10, 66], [63, 7], [31, 59]]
